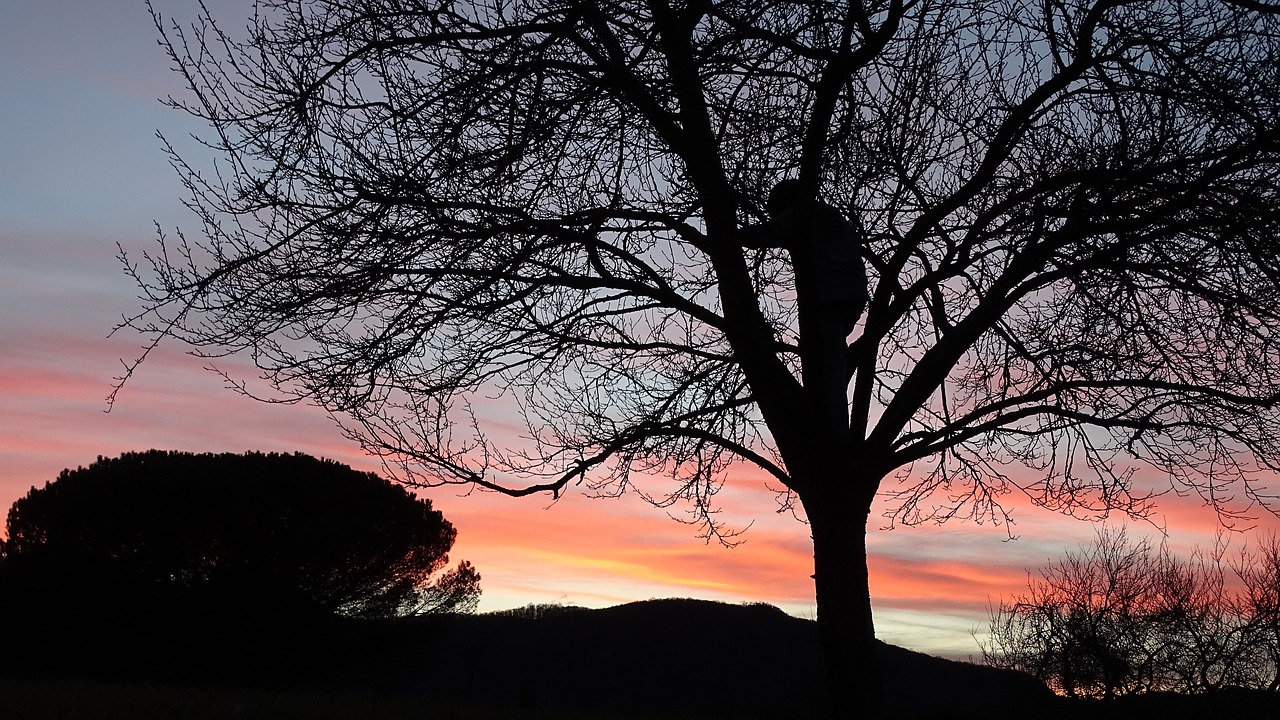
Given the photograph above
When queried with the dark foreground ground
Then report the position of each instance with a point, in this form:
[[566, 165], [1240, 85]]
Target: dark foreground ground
[[668, 659], [100, 700]]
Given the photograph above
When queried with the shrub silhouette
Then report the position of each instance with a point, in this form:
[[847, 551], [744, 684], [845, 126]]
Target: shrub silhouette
[[250, 535]]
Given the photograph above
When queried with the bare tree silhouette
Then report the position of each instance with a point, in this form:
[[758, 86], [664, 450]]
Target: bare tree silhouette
[[1121, 617], [1069, 211]]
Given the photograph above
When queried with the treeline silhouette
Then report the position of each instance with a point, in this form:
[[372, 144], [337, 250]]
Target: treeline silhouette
[[256, 567]]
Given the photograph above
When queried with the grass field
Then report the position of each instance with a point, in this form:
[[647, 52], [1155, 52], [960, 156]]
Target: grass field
[[95, 700]]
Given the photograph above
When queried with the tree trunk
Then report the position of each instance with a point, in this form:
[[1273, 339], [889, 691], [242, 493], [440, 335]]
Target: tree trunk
[[852, 682]]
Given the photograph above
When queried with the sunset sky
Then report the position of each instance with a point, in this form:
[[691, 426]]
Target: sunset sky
[[81, 170]]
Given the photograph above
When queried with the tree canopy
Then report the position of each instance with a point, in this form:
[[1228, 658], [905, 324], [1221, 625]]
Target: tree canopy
[[1068, 209], [238, 535]]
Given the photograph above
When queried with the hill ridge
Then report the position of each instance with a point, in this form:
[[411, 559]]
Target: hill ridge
[[703, 657]]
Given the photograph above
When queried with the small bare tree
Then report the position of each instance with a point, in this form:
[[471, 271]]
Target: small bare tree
[[1079, 626], [1121, 617], [1260, 602], [1069, 212], [1196, 629]]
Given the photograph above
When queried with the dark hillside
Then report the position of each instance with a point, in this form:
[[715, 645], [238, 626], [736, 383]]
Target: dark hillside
[[661, 658], [702, 658]]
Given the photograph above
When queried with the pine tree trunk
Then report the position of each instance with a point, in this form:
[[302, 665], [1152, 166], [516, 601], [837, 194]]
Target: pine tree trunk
[[853, 681]]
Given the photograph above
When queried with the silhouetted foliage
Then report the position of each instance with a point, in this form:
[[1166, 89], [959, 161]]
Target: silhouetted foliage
[[235, 535], [1070, 215], [1120, 618]]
